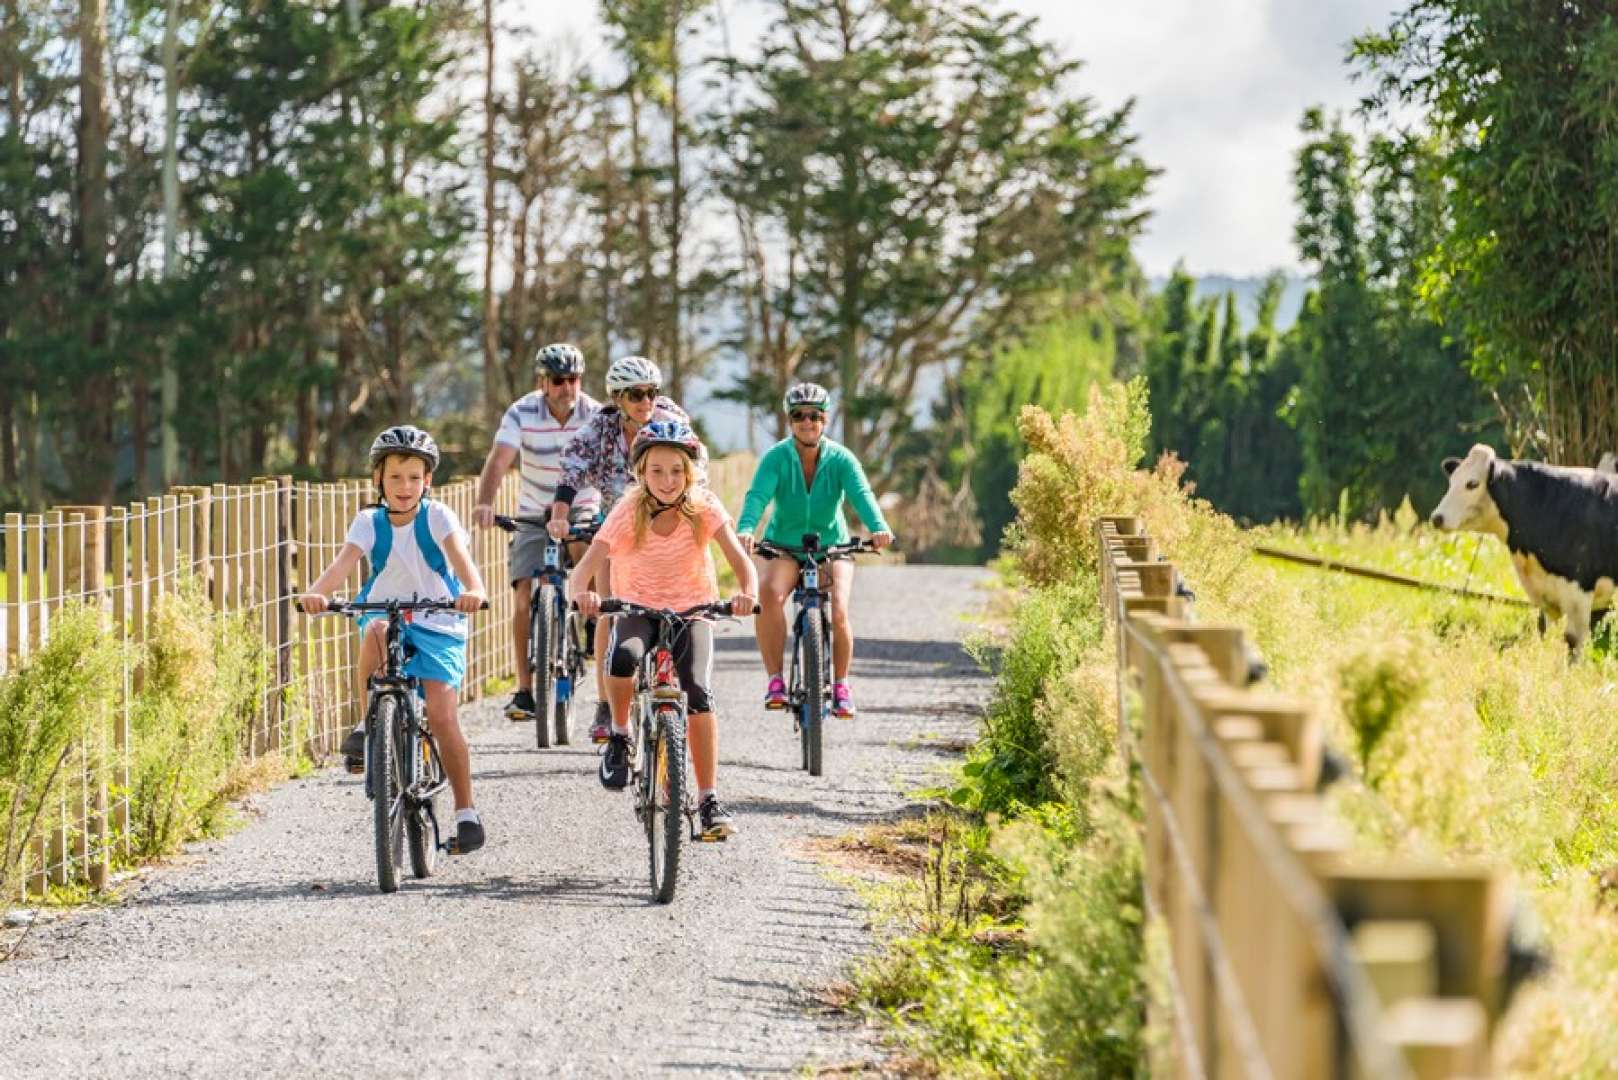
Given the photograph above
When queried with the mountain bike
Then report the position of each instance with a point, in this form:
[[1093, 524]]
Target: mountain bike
[[659, 767], [403, 773], [809, 686], [556, 651]]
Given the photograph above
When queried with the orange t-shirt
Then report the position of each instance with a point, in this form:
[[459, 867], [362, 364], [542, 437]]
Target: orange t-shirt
[[674, 571]]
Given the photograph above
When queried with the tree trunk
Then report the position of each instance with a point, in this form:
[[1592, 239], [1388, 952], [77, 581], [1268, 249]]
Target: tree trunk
[[851, 299], [137, 433], [492, 391], [643, 230], [8, 443], [676, 209], [171, 232], [93, 476]]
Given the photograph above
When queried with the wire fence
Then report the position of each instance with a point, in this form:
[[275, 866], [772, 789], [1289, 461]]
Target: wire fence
[[251, 548]]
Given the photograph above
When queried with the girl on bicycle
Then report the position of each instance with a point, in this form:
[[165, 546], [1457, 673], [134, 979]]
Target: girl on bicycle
[[657, 538], [422, 555]]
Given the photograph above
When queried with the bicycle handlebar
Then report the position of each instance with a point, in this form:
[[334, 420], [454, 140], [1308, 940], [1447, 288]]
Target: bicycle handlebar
[[718, 608], [356, 607], [576, 532], [859, 545]]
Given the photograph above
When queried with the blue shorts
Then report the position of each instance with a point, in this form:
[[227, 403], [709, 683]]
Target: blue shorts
[[428, 653]]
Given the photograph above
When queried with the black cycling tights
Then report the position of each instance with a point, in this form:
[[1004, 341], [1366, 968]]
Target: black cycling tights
[[692, 646]]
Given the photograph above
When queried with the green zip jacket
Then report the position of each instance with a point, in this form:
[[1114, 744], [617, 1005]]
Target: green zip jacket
[[779, 478]]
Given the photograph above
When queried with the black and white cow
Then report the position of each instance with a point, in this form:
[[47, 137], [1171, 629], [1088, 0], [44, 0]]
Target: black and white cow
[[1560, 523]]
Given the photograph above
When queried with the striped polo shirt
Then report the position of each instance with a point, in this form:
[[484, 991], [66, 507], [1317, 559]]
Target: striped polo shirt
[[529, 427]]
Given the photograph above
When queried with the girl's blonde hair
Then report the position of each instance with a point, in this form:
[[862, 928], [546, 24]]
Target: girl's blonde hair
[[687, 507]]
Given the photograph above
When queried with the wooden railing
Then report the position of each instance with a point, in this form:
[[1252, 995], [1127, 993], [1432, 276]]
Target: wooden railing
[[251, 548], [1292, 956]]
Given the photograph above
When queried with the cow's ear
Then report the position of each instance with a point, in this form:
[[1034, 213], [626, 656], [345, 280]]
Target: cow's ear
[[1450, 465]]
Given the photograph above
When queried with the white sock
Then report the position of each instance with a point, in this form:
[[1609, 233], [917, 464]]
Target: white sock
[[469, 814], [616, 730]]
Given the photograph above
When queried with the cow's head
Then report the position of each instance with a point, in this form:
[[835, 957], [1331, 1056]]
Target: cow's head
[[1467, 504]]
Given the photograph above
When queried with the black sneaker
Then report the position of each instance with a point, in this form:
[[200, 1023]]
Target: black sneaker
[[717, 824], [603, 723], [521, 706], [468, 836], [615, 763], [353, 750]]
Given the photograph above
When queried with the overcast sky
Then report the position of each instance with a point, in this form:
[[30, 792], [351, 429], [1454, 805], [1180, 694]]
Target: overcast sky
[[1219, 86]]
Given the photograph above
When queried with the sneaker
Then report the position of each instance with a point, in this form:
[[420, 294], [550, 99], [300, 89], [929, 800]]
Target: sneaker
[[615, 763], [521, 706], [353, 750], [717, 824], [775, 696], [468, 837], [603, 723], [842, 701]]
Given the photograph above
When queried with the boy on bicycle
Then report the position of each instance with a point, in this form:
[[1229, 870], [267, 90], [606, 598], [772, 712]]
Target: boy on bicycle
[[657, 538], [808, 476], [417, 550], [533, 434]]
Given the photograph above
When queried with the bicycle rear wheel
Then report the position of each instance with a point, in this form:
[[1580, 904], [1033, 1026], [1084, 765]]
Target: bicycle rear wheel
[[665, 810], [419, 830], [814, 691], [387, 791], [571, 665]]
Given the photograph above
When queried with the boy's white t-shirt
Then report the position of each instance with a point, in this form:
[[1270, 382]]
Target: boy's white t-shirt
[[407, 574]]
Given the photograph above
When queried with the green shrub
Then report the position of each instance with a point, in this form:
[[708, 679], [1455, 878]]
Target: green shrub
[[1376, 688], [203, 678], [54, 701]]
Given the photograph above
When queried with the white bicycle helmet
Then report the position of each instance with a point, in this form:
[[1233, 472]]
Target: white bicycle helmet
[[807, 393], [627, 371], [405, 439]]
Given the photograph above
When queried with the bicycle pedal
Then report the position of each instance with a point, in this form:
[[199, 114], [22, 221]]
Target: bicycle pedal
[[517, 716], [713, 838], [354, 766], [452, 846]]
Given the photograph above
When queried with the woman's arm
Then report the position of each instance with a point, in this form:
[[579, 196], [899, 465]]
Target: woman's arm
[[766, 479], [858, 490], [314, 601]]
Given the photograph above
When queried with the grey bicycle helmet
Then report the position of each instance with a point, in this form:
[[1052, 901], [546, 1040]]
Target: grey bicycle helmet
[[405, 439], [627, 371], [807, 393], [560, 359]]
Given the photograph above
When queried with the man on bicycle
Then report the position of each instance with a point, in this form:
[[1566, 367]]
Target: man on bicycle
[[598, 460], [807, 477], [535, 430]]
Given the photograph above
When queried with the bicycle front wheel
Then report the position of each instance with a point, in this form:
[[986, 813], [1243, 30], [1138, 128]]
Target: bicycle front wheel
[[812, 722], [387, 791], [665, 811], [541, 644]]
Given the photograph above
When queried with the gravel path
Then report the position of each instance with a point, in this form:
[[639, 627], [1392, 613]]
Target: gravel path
[[271, 953]]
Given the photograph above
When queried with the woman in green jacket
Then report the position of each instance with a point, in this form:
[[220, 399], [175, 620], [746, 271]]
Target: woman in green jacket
[[807, 476]]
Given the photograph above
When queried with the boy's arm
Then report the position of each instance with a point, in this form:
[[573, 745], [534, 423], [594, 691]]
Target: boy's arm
[[314, 600], [460, 560]]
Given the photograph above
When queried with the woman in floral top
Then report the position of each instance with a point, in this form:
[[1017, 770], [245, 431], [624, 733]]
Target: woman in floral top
[[598, 457]]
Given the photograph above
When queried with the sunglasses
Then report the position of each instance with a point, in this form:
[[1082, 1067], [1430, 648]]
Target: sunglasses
[[562, 380], [639, 393], [800, 415]]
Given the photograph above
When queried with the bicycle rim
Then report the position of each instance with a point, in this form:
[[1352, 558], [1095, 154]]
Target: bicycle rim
[[387, 793], [419, 831]]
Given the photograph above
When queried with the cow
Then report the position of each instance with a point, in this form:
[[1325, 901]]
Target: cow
[[1560, 524]]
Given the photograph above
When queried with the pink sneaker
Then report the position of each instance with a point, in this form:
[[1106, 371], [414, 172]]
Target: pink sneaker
[[775, 697], [842, 701]]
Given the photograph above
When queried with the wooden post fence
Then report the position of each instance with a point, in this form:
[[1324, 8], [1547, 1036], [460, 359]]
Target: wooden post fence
[[1292, 955]]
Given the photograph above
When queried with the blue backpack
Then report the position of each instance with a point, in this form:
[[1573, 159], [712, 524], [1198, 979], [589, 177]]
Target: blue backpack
[[382, 547]]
